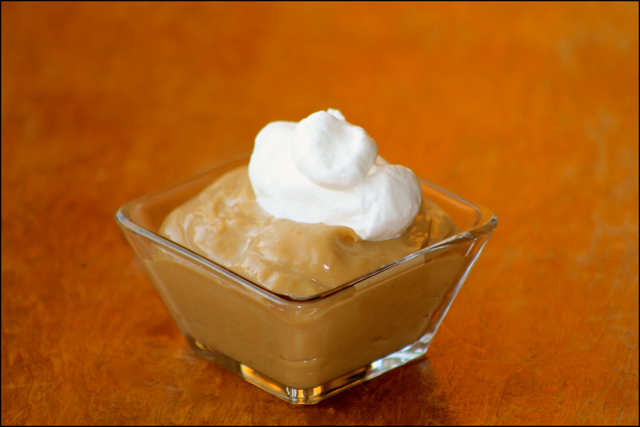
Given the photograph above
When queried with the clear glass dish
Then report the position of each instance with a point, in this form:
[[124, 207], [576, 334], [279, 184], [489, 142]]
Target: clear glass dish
[[304, 350]]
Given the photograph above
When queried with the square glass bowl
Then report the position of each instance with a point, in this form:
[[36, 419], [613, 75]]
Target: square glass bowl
[[304, 350]]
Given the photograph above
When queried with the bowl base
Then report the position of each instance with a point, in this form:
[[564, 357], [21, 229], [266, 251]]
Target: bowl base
[[311, 396]]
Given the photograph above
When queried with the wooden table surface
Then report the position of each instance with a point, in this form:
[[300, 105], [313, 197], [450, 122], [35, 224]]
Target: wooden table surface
[[529, 109]]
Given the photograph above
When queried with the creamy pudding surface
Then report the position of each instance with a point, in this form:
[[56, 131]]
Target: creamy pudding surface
[[227, 225]]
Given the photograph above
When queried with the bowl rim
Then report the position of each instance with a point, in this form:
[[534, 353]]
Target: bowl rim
[[486, 223]]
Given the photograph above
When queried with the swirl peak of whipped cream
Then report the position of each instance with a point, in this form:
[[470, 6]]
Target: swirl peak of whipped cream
[[323, 169]]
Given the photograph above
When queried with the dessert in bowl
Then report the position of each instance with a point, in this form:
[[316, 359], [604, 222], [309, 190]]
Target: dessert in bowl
[[302, 272]]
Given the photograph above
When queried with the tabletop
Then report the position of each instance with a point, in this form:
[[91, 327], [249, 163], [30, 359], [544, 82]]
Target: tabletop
[[529, 109]]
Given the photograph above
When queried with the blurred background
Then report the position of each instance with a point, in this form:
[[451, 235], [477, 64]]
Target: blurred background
[[529, 109]]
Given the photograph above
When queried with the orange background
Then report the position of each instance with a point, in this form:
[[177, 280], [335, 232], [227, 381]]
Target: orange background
[[529, 109]]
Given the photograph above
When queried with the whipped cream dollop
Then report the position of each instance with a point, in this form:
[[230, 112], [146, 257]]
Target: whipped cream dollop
[[324, 169]]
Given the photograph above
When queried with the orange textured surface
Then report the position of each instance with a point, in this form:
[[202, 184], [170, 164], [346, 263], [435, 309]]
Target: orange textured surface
[[529, 109]]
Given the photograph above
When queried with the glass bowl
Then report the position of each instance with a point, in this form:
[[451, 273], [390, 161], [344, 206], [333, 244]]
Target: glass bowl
[[304, 350]]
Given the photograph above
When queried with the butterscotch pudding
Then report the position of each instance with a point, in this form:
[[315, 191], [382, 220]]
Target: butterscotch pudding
[[315, 209], [314, 267]]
